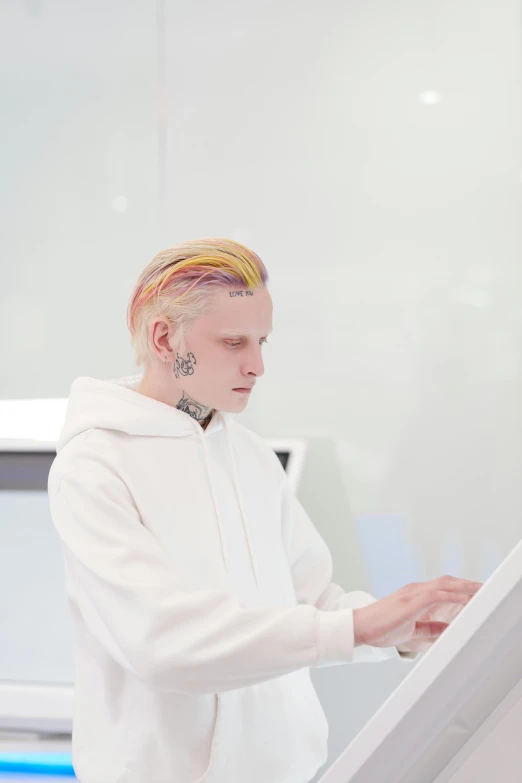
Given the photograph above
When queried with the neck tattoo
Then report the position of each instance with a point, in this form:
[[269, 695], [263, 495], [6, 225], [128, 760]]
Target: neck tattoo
[[195, 409]]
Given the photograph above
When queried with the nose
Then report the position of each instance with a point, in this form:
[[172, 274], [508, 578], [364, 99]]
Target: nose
[[255, 364]]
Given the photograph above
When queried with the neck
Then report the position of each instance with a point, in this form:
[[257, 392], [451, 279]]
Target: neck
[[177, 399]]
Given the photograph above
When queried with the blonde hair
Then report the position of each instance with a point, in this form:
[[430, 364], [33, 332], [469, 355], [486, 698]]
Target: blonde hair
[[178, 283]]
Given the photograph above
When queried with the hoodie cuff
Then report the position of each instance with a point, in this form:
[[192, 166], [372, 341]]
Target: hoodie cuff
[[335, 636]]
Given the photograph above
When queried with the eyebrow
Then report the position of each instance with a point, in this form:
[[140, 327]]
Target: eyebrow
[[236, 333]]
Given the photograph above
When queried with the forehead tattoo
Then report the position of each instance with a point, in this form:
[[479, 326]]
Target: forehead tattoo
[[245, 292]]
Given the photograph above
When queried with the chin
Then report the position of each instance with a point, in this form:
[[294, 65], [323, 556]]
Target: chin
[[238, 404]]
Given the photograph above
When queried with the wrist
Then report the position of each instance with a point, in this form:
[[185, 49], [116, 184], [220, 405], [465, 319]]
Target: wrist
[[357, 642]]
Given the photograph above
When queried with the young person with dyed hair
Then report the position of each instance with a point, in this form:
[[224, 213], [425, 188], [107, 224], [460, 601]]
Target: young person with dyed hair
[[200, 590]]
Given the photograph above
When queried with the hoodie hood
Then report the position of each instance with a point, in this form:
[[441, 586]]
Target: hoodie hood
[[116, 405]]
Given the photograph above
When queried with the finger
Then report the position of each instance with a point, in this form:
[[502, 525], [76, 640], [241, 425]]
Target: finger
[[433, 628], [444, 612], [422, 601], [455, 583], [467, 589]]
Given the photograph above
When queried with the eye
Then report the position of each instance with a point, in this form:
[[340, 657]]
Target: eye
[[261, 341]]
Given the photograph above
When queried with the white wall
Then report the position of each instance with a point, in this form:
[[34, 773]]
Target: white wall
[[389, 223]]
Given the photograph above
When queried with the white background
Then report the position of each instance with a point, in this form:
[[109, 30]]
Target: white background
[[370, 152]]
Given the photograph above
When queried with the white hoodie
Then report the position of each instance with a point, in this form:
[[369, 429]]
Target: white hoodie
[[200, 592]]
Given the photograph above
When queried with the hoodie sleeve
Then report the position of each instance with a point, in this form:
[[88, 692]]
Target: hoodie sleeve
[[311, 564], [132, 602]]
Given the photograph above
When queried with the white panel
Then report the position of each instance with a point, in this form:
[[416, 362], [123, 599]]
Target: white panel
[[496, 750]]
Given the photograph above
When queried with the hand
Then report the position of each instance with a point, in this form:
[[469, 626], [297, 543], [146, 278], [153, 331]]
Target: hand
[[414, 617]]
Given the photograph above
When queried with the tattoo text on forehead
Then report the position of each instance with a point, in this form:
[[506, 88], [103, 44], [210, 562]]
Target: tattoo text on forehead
[[193, 408], [246, 292]]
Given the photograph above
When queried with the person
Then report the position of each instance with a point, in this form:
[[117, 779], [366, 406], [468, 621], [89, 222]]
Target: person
[[199, 588]]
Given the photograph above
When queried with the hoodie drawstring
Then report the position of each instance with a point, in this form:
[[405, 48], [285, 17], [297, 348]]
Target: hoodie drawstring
[[235, 481]]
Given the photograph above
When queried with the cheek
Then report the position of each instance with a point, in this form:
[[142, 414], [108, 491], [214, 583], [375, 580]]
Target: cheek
[[212, 366]]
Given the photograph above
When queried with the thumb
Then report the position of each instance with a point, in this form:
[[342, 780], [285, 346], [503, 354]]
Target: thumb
[[425, 629]]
